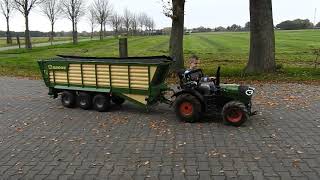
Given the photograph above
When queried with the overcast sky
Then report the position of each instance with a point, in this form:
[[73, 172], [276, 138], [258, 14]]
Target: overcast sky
[[208, 13]]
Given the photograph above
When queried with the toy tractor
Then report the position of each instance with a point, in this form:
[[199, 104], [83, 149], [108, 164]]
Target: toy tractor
[[199, 95], [93, 83]]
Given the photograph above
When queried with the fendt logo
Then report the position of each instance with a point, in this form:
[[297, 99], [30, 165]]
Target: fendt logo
[[52, 67], [250, 91]]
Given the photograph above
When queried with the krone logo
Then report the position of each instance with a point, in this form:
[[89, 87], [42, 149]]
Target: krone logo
[[51, 67]]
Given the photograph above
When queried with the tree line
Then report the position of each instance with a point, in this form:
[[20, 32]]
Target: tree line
[[296, 24], [98, 13]]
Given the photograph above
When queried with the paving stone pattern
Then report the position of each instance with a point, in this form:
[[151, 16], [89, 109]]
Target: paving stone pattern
[[40, 139]]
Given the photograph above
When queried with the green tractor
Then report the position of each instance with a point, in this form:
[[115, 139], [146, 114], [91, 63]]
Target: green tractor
[[198, 95]]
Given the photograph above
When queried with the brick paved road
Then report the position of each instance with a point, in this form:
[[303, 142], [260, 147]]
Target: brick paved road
[[39, 139]]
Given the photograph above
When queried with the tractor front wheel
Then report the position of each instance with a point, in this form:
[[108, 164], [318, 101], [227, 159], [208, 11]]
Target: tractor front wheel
[[188, 108], [234, 113]]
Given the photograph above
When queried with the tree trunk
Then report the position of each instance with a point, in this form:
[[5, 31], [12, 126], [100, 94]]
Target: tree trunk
[[177, 31], [141, 30], [101, 31], [262, 41], [116, 31], [9, 37], [27, 34], [52, 33], [91, 32], [74, 32]]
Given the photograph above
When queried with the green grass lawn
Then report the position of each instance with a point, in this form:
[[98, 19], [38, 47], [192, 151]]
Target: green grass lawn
[[228, 50]]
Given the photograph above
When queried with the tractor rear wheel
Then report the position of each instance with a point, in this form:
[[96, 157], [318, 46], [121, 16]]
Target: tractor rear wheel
[[188, 108], [68, 99], [118, 100], [234, 113], [101, 102], [84, 100]]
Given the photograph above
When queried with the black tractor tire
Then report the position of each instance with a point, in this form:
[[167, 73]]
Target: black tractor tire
[[101, 102], [84, 100], [188, 108], [68, 99], [118, 100], [234, 113]]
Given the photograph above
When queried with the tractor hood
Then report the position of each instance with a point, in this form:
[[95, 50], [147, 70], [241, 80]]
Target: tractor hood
[[237, 92]]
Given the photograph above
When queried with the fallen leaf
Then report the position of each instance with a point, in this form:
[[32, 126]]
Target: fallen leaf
[[296, 163]]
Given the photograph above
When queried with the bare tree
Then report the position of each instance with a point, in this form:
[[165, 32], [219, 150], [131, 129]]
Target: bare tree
[[6, 9], [262, 41], [74, 9], [25, 7], [102, 10], [116, 21], [92, 20], [152, 24], [134, 23], [141, 20], [51, 9], [127, 16], [147, 24], [175, 10]]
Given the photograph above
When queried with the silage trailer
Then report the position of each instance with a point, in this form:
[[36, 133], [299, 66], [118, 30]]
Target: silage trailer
[[87, 80]]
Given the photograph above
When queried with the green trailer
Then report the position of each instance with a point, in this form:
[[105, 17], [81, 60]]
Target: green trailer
[[91, 82], [89, 79]]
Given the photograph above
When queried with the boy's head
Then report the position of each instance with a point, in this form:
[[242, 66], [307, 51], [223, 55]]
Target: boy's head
[[194, 62]]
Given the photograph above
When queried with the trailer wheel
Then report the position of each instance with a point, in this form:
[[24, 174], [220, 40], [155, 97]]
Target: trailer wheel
[[84, 100], [118, 100], [101, 102], [234, 113], [68, 99], [188, 108]]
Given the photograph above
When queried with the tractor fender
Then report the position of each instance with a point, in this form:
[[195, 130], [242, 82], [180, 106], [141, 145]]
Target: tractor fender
[[193, 93]]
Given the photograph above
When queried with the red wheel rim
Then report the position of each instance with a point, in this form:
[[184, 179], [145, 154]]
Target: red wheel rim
[[234, 115], [186, 109]]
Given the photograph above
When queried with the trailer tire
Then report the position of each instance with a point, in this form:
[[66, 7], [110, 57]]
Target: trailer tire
[[188, 108], [68, 99], [118, 100], [84, 100], [101, 102], [234, 113]]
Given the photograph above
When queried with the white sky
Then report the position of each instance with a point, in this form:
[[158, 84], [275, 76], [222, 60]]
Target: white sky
[[208, 13]]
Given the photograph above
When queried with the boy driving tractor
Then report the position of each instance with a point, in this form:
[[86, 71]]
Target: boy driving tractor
[[194, 64]]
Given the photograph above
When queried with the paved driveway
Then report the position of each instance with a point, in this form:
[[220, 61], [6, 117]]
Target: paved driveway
[[39, 139]]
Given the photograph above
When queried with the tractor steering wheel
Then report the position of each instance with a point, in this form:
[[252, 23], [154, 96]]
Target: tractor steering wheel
[[217, 82]]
